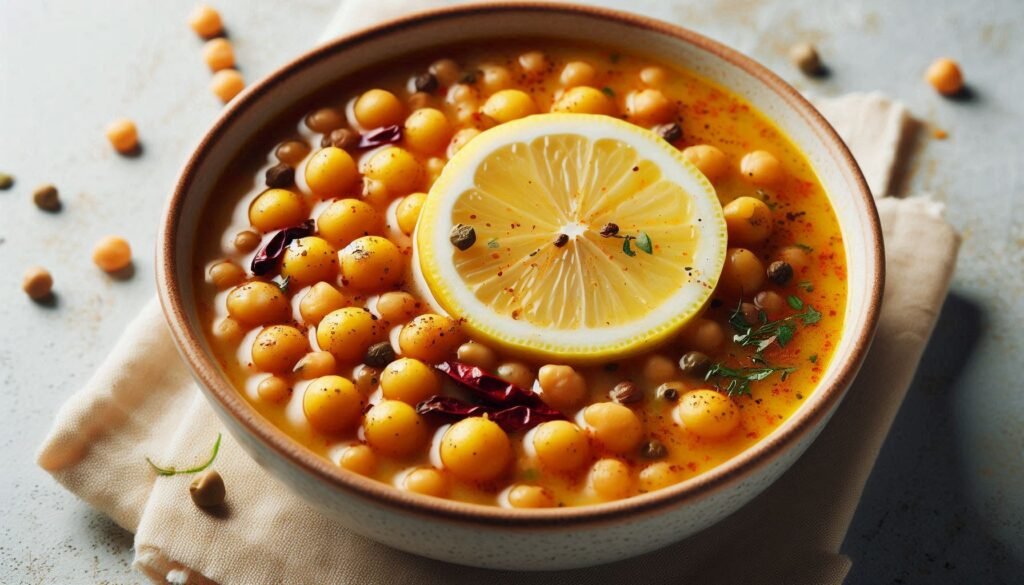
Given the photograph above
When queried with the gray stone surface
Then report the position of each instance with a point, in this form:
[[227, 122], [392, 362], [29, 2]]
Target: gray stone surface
[[946, 501]]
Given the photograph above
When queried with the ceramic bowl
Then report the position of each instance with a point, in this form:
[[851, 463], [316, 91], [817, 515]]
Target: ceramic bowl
[[492, 536]]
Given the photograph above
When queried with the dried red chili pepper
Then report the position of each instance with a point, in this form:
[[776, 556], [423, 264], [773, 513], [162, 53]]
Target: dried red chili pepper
[[487, 387], [381, 136], [511, 419], [268, 258]]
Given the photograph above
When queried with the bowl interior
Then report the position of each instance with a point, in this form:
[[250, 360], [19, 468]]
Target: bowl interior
[[266, 101]]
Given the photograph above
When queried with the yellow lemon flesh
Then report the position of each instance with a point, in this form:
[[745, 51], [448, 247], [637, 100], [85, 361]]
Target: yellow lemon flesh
[[541, 278]]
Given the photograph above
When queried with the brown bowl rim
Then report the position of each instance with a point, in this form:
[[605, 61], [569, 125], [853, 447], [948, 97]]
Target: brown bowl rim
[[207, 372]]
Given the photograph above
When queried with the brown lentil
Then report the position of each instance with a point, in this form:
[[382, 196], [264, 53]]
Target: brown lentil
[[280, 176], [425, 82], [292, 152], [246, 241], [207, 490], [671, 132], [667, 392], [6, 181], [342, 138], [379, 355], [626, 393], [46, 198], [694, 363], [805, 57], [37, 283], [324, 120], [780, 272]]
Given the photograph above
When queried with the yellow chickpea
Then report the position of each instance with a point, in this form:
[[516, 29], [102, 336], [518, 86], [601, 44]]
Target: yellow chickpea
[[743, 273], [376, 194], [408, 212], [332, 405], [945, 76], [434, 166], [585, 100], [371, 264], [561, 387], [226, 84], [258, 303], [394, 428], [316, 364], [359, 459], [309, 260], [112, 253], [749, 221], [427, 131], [516, 373], [561, 446], [533, 62], [278, 347], [226, 274], [577, 73], [477, 354], [649, 106], [798, 258], [709, 160], [531, 496], [658, 476], [205, 21], [276, 209], [446, 70], [219, 54], [331, 173], [653, 76], [708, 414], [430, 337], [615, 427], [348, 333], [377, 108], [419, 100], [397, 306], [123, 135], [659, 369], [761, 168], [494, 78], [409, 380], [703, 335], [460, 139], [508, 105], [228, 331], [400, 172], [274, 389], [426, 481], [345, 220], [610, 479], [476, 449], [319, 300]]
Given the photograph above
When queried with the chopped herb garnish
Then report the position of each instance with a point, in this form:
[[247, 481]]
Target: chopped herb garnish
[[608, 91], [795, 302], [806, 285], [813, 358], [643, 241], [166, 471], [739, 379], [493, 243], [761, 335], [283, 285], [626, 248]]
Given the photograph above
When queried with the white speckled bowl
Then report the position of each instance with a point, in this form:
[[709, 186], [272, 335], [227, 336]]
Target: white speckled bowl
[[491, 536]]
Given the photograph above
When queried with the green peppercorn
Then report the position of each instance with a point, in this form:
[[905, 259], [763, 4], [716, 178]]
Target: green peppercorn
[[694, 363], [462, 236]]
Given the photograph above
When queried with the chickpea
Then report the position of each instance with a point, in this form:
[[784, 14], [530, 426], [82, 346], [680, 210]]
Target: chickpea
[[226, 274], [316, 364], [798, 258], [320, 300], [708, 414], [408, 212], [123, 135], [332, 405], [394, 428], [397, 306], [561, 386], [366, 378], [530, 496], [708, 160], [585, 100], [292, 152], [659, 369], [409, 380], [426, 481], [770, 302], [278, 347], [743, 273], [219, 54], [400, 172], [761, 168], [258, 303], [37, 283], [331, 172], [430, 337], [112, 254], [494, 78], [462, 93], [324, 120], [377, 108], [610, 479], [446, 71], [345, 220], [359, 459], [276, 209], [376, 194], [533, 62], [561, 446], [460, 139], [226, 84], [274, 389], [658, 476], [615, 427], [516, 373], [577, 73], [246, 241], [418, 101], [427, 131], [309, 260], [347, 333], [227, 331], [476, 449], [703, 335], [477, 354], [945, 76], [434, 166], [371, 264], [508, 105], [649, 106], [205, 21], [749, 221], [653, 76]]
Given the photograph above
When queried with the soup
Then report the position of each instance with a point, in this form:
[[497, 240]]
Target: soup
[[314, 300]]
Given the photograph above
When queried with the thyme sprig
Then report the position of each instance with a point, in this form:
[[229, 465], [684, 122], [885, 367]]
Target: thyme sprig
[[167, 471], [764, 333], [739, 379]]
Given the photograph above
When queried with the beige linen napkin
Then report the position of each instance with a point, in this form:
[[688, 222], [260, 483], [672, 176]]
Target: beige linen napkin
[[142, 402]]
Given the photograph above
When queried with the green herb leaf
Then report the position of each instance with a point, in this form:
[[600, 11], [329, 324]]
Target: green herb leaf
[[813, 358], [643, 241], [493, 243], [167, 471], [608, 91], [763, 335], [626, 247], [810, 316], [806, 285], [785, 334], [795, 302], [737, 380], [283, 285]]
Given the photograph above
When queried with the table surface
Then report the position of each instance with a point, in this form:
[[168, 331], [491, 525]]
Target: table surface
[[946, 500]]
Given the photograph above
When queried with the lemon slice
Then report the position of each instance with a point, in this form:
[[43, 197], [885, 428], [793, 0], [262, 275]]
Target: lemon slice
[[541, 279]]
